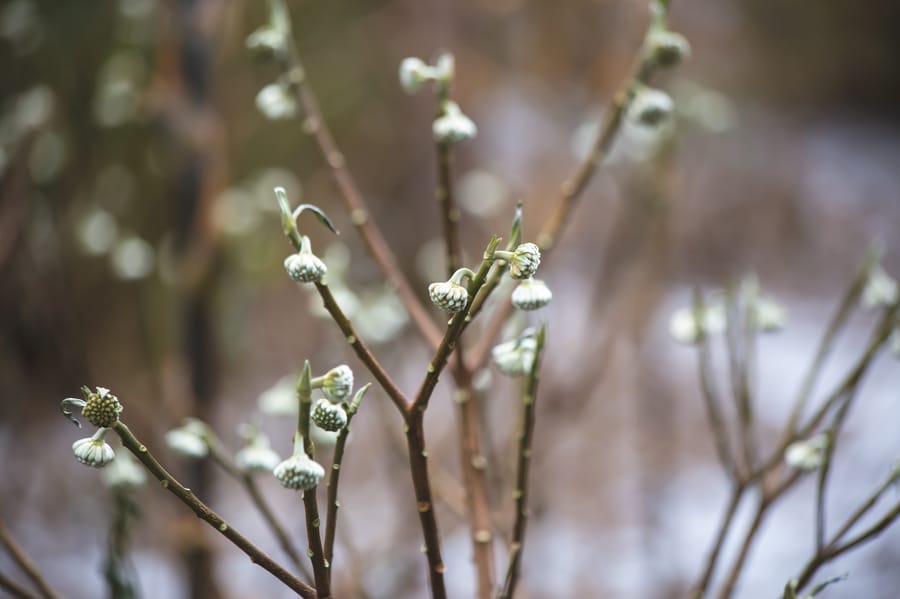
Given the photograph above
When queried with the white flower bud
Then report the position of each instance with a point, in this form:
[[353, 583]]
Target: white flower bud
[[449, 296], [881, 289], [305, 268], [257, 456], [525, 261], [189, 440], [328, 416], [276, 103], [124, 472], [453, 126], [299, 472], [337, 384], [515, 357], [685, 326], [668, 48], [531, 294], [94, 451], [444, 67], [807, 455], [770, 315], [414, 73], [267, 41], [280, 399], [650, 107]]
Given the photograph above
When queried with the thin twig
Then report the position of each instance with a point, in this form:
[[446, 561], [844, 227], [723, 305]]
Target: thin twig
[[571, 189], [14, 589], [225, 461], [25, 563], [523, 463], [710, 396], [841, 314], [321, 569], [335, 474], [737, 493], [372, 237], [256, 555]]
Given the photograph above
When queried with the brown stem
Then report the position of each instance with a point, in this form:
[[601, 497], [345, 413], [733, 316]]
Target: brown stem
[[25, 563], [14, 589], [418, 467], [571, 189], [256, 555], [474, 479], [710, 397], [223, 459], [372, 237], [700, 589], [447, 202], [851, 296], [523, 464], [362, 350], [335, 475]]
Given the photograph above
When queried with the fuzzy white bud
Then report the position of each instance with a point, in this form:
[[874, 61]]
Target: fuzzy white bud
[[124, 472], [276, 103], [299, 472], [668, 48], [650, 107], [305, 267], [515, 357], [449, 296], [189, 440], [414, 73], [328, 416], [688, 327], [807, 455], [531, 294], [94, 451], [453, 126], [525, 261], [337, 384], [881, 289]]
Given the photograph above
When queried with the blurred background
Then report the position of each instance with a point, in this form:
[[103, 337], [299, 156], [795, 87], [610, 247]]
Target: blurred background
[[140, 250]]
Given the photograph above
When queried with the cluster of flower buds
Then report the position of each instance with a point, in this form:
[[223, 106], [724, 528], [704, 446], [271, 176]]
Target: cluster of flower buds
[[276, 102], [450, 295], [881, 289], [516, 356], [257, 454], [650, 107], [453, 126], [807, 455], [531, 293], [690, 325], [337, 385], [304, 266], [299, 472], [415, 72], [101, 408], [191, 439]]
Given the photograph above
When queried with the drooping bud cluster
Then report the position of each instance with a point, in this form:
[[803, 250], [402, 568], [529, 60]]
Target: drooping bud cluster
[[257, 454], [453, 126], [667, 48], [807, 455], [531, 294], [337, 384], [881, 289], [515, 357], [299, 472], [102, 408], [525, 261], [276, 102], [94, 451], [650, 107], [304, 266], [189, 439], [415, 72], [449, 295], [329, 416]]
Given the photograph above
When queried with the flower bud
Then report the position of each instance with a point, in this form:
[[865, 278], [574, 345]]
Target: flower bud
[[881, 289], [189, 439], [414, 73], [267, 42], [124, 472], [531, 294], [299, 472], [770, 316], [807, 455], [256, 457], [688, 326], [525, 261], [453, 126], [337, 384], [515, 357], [650, 107], [304, 266], [449, 296], [102, 408], [668, 48], [94, 451], [276, 103], [328, 416]]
